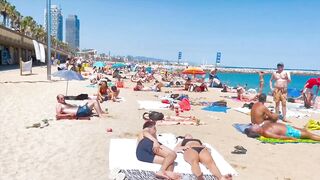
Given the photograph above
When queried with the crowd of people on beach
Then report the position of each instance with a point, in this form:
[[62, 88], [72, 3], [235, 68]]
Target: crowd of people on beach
[[149, 149]]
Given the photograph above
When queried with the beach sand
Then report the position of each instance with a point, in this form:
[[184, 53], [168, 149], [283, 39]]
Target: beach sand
[[79, 149]]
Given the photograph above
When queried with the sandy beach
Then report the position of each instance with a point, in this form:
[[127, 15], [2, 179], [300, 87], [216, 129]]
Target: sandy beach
[[79, 149]]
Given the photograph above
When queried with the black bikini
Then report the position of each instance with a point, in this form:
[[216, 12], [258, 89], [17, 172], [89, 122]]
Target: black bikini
[[198, 149]]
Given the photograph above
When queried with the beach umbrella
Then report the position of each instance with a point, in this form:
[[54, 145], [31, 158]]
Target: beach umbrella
[[99, 64], [68, 75], [194, 71], [118, 65]]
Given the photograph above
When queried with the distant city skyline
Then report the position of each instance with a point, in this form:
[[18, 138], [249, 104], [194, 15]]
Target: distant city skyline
[[72, 31], [247, 32]]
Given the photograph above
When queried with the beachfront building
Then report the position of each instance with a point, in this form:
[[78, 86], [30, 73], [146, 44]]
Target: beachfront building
[[56, 22], [88, 54], [73, 31]]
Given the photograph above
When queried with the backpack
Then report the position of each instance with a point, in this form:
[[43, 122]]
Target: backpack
[[153, 115]]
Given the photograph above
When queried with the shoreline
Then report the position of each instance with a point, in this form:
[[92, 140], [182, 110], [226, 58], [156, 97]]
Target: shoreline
[[267, 71]]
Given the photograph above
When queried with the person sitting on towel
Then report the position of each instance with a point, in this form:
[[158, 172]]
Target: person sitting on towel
[[280, 131], [151, 151], [114, 93], [65, 110], [194, 152], [260, 113]]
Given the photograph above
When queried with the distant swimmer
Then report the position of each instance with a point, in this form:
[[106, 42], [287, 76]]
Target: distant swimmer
[[280, 91]]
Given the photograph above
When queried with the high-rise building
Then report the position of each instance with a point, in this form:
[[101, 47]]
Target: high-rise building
[[56, 22], [73, 31]]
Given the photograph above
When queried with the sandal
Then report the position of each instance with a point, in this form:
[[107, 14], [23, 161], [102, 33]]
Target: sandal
[[237, 151], [238, 147]]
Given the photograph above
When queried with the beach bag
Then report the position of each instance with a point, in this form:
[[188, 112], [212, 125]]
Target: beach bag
[[185, 104], [153, 115]]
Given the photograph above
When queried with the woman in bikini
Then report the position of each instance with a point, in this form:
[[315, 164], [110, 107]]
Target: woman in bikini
[[194, 152], [103, 91]]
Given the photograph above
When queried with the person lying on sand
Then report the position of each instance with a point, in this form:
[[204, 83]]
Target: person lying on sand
[[260, 113], [177, 120], [281, 131], [156, 87], [65, 110], [151, 151], [245, 97], [194, 152]]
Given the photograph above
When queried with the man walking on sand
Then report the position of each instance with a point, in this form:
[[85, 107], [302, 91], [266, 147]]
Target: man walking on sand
[[280, 90]]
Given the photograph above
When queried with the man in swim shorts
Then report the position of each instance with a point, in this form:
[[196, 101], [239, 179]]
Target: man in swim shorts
[[280, 90], [65, 110], [151, 151], [282, 131]]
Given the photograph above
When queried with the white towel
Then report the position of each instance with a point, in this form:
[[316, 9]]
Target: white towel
[[152, 105], [122, 155], [243, 110]]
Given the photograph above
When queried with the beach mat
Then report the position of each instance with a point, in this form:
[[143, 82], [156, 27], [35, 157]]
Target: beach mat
[[282, 141], [216, 108], [152, 105], [127, 147], [241, 127]]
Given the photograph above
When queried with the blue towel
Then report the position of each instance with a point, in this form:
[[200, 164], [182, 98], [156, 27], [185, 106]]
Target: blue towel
[[216, 109], [241, 127]]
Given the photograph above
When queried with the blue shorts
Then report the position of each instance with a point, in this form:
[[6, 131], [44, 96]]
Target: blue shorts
[[292, 132], [84, 111], [144, 150]]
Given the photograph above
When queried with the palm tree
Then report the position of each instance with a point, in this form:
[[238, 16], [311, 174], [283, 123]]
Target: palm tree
[[39, 33], [28, 26], [4, 8]]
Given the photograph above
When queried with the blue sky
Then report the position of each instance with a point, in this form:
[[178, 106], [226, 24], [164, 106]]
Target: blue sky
[[255, 33]]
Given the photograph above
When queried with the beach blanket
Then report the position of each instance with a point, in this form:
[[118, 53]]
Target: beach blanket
[[216, 109], [282, 141], [153, 105], [241, 127], [127, 147]]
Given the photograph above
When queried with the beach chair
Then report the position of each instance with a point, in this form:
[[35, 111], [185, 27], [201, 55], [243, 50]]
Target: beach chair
[[25, 66]]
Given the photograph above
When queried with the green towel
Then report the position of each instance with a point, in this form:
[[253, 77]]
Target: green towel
[[282, 141]]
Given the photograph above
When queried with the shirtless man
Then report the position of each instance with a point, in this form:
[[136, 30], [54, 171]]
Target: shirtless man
[[280, 90], [282, 131], [151, 151], [65, 110], [260, 113]]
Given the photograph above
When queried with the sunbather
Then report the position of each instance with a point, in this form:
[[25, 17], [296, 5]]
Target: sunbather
[[65, 110], [260, 113], [243, 96], [188, 84], [194, 152], [103, 93], [282, 131], [114, 93], [178, 120], [151, 151]]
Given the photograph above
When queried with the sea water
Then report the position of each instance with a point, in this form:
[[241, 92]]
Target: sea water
[[252, 80]]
